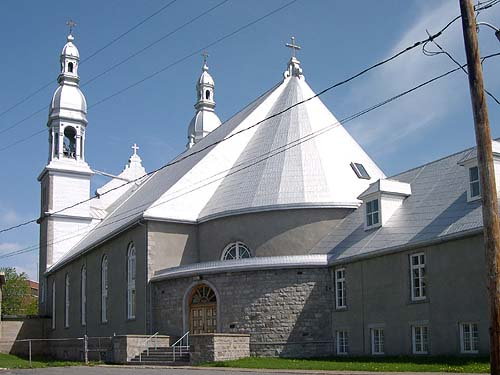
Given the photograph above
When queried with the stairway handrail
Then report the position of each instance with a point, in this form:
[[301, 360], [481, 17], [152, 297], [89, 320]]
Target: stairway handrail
[[174, 345], [144, 345]]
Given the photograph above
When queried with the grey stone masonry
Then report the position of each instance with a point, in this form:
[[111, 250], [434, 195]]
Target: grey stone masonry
[[126, 347], [210, 347], [286, 312]]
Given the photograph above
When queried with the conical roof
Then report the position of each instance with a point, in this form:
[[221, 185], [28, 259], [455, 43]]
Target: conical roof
[[274, 165]]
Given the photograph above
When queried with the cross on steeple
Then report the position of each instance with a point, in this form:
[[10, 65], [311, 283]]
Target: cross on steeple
[[135, 148], [71, 24], [293, 46], [205, 56]]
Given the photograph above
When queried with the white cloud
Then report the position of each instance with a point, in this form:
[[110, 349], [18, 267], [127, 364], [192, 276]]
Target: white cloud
[[9, 246]]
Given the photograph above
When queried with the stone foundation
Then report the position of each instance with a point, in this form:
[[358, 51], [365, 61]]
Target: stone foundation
[[210, 347], [126, 347]]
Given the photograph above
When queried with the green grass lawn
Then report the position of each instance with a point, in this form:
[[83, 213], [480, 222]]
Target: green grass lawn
[[430, 364], [12, 361]]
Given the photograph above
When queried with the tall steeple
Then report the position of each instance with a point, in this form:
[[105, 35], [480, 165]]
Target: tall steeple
[[205, 120], [293, 69], [65, 180]]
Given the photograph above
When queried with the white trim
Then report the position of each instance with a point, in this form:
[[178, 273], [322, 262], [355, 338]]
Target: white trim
[[345, 342], [377, 348], [131, 281], [240, 248], [378, 212], [104, 289], [240, 265], [471, 198], [474, 345], [423, 342], [421, 268], [342, 290], [53, 322]]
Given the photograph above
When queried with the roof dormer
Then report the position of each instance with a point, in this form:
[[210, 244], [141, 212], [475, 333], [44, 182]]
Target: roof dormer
[[469, 161], [381, 200]]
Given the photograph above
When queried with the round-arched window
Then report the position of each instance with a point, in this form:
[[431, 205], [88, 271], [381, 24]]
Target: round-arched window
[[207, 94], [236, 250]]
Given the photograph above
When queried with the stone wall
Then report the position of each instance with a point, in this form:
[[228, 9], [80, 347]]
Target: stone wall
[[212, 347], [126, 347], [286, 312]]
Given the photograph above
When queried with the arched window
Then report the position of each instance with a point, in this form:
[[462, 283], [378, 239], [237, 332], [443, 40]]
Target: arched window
[[236, 250], [207, 94], [53, 304], [104, 289], [66, 300], [83, 295], [69, 145], [202, 310], [70, 67], [131, 267]]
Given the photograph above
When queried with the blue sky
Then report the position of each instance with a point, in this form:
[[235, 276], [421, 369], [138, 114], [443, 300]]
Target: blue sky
[[338, 39]]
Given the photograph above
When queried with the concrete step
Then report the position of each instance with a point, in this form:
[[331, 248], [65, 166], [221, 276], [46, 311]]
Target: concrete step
[[161, 357], [159, 363]]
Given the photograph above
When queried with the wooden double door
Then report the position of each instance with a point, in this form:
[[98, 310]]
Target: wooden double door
[[203, 310]]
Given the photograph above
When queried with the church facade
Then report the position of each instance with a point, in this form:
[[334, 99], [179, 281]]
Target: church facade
[[274, 223]]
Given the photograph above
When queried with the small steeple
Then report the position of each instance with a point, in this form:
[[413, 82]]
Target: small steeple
[[293, 69], [205, 120]]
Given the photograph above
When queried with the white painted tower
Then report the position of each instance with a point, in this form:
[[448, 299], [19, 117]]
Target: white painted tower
[[65, 180], [205, 120]]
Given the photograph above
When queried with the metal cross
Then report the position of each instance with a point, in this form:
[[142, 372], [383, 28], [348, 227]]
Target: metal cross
[[71, 24], [135, 148], [293, 46], [205, 55]]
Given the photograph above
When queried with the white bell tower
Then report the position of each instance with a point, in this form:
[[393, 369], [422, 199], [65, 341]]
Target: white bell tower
[[65, 180], [205, 120]]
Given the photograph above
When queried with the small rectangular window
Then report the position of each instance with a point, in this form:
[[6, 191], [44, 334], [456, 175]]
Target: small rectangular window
[[420, 339], [360, 171], [342, 342], [372, 213], [340, 289], [474, 186], [469, 338], [417, 274], [377, 338]]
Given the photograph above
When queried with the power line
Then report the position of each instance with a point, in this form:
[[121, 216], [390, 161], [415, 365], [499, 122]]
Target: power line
[[260, 159], [234, 32], [111, 42], [448, 54], [178, 160]]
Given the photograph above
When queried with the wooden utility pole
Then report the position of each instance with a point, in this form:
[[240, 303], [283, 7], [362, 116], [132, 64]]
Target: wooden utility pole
[[487, 176]]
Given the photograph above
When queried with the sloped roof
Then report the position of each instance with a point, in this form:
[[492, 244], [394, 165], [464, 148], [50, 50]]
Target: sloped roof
[[436, 209], [269, 166]]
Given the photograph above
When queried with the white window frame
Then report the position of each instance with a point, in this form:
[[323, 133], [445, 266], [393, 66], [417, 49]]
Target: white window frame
[[53, 304], [473, 341], [473, 182], [104, 289], [66, 300], [342, 342], [340, 288], [131, 277], [83, 295], [421, 278], [241, 249], [420, 339], [377, 338], [371, 214]]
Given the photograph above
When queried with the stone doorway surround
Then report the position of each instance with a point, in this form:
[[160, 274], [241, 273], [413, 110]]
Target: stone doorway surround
[[207, 312]]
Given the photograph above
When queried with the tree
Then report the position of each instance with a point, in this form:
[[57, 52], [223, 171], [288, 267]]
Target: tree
[[17, 299]]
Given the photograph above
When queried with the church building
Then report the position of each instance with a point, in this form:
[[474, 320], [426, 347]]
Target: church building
[[274, 223]]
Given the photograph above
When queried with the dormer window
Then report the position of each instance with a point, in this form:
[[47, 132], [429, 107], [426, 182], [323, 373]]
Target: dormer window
[[372, 213], [474, 186], [360, 171]]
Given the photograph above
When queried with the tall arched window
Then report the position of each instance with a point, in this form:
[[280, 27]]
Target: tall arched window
[[66, 300], [70, 67], [131, 267], [236, 250], [53, 304], [104, 289], [83, 295]]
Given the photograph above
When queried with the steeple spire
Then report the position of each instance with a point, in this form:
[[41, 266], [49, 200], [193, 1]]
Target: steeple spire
[[205, 119]]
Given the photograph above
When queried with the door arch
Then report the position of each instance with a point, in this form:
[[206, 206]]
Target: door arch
[[202, 310]]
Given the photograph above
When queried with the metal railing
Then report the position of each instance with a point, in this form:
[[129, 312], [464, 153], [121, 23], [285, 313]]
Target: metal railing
[[178, 344], [145, 345]]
